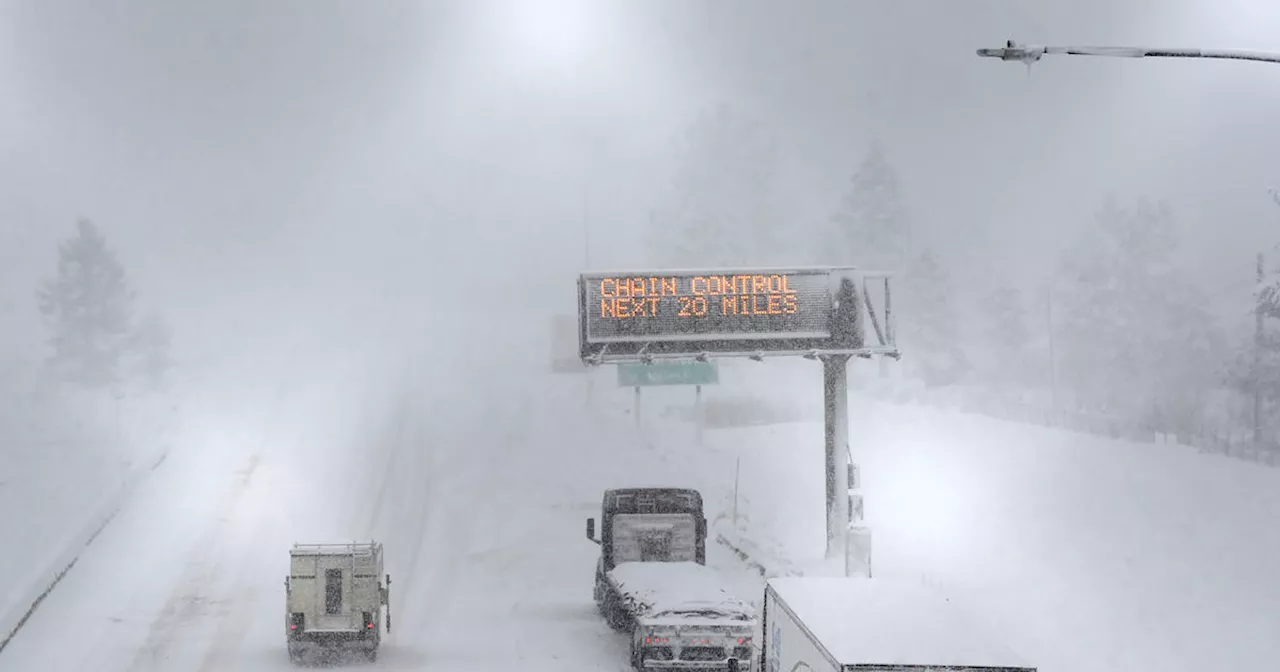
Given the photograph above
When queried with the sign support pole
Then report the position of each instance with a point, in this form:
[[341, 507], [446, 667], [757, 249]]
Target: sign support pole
[[835, 393], [635, 407], [660, 328], [698, 411]]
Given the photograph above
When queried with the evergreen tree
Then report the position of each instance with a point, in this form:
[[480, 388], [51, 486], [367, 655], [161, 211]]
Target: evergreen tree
[[150, 344], [929, 331], [724, 210], [1136, 335], [871, 225], [89, 308], [1006, 335], [1256, 364]]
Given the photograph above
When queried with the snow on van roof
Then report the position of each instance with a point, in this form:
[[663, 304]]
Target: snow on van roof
[[889, 622], [348, 548], [665, 587]]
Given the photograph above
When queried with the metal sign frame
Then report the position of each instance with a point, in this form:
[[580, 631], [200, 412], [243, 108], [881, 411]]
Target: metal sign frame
[[702, 348]]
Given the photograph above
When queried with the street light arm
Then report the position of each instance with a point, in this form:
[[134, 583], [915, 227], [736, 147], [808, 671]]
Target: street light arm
[[1149, 52], [1012, 51]]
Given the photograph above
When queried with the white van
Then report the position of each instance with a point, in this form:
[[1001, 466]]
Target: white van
[[335, 599]]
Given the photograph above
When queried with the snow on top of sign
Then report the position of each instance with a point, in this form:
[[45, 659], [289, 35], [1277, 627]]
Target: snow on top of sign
[[748, 270], [887, 622], [673, 589]]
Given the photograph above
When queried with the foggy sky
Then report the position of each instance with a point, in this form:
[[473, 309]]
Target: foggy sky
[[307, 158]]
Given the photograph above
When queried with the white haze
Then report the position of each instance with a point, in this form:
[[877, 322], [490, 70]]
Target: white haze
[[256, 162], [425, 179]]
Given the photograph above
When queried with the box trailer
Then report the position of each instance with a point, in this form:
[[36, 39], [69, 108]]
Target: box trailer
[[839, 624]]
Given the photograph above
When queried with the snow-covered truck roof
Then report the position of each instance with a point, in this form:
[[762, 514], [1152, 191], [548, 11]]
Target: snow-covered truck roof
[[889, 622], [672, 588], [349, 548]]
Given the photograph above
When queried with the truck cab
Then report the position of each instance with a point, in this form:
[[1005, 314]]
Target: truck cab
[[652, 581], [650, 525], [335, 600]]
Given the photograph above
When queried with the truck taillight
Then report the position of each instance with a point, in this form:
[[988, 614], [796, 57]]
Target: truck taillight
[[657, 640], [369, 623], [296, 621]]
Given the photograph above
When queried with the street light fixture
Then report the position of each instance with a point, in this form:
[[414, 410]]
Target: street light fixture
[[1029, 54]]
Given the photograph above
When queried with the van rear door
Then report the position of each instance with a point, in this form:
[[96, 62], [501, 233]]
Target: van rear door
[[333, 593]]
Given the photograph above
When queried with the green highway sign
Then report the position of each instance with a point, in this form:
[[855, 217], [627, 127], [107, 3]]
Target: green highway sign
[[672, 372]]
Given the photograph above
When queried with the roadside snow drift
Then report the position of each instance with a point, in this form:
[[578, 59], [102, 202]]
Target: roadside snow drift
[[1088, 553]]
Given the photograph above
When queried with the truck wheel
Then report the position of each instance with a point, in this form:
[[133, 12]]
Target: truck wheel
[[616, 617], [372, 655], [610, 610]]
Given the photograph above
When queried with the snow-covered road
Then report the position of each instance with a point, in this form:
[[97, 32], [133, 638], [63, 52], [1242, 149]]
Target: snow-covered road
[[479, 499]]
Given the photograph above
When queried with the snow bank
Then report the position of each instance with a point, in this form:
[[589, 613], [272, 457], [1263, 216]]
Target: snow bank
[[660, 587], [1088, 553], [196, 527], [74, 458], [63, 480]]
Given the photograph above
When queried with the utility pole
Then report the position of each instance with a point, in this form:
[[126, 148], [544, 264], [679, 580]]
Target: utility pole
[[1053, 358], [589, 390], [586, 225], [1257, 364]]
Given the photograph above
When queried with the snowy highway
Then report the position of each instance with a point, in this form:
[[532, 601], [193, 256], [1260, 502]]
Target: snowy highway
[[479, 501]]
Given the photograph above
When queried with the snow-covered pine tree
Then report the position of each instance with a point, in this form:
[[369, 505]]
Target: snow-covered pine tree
[[723, 212], [1256, 362], [1006, 336], [928, 326], [149, 347], [1135, 336], [871, 225], [88, 306]]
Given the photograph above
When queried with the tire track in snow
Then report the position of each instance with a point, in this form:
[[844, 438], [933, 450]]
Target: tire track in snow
[[394, 452], [242, 591], [443, 530], [389, 514], [190, 598], [457, 503], [226, 649]]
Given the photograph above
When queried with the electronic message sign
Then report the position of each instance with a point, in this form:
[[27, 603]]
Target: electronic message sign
[[660, 312]]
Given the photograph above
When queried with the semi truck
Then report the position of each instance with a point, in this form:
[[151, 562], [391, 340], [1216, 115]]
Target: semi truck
[[843, 624], [335, 600], [652, 581]]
